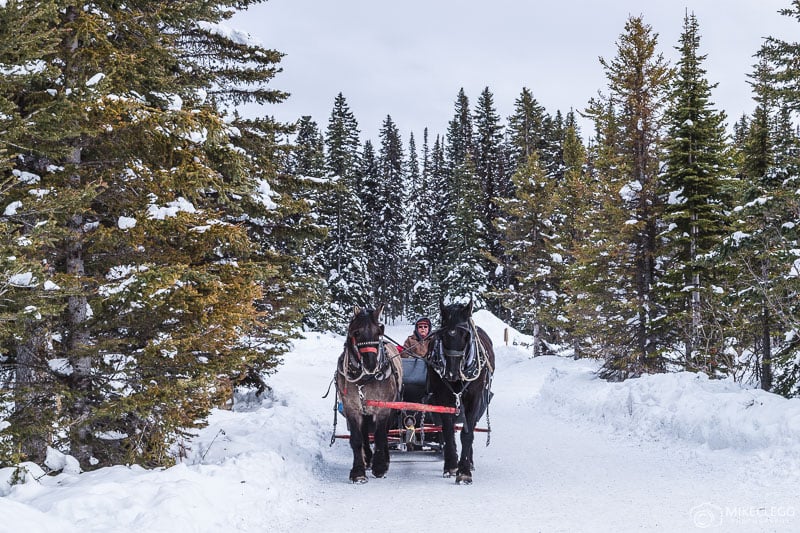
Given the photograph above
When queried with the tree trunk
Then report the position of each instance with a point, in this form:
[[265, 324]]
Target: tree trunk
[[28, 392], [78, 339], [766, 358]]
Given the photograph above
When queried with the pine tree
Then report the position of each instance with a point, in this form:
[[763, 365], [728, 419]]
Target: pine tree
[[766, 235], [386, 231], [527, 223], [430, 248], [422, 213], [463, 263], [620, 270], [495, 186], [414, 271], [782, 79], [308, 157], [368, 189], [572, 220], [306, 163], [459, 133], [346, 268], [526, 129], [144, 210], [696, 164]]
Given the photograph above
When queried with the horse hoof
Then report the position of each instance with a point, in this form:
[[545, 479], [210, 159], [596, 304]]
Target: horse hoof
[[379, 473], [358, 479], [463, 479], [450, 472]]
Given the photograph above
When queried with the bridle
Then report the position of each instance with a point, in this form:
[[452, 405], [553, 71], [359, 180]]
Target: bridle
[[352, 367], [472, 356]]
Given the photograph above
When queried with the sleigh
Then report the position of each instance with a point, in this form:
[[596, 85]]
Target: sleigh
[[416, 424]]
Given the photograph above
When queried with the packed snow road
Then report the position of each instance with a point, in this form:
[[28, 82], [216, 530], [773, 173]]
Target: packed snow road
[[568, 452], [546, 470]]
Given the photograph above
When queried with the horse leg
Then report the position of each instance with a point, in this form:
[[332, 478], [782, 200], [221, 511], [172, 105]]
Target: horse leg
[[380, 463], [450, 452], [358, 474], [366, 428], [465, 464]]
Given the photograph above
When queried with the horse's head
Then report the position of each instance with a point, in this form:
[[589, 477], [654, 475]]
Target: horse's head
[[364, 339], [454, 349]]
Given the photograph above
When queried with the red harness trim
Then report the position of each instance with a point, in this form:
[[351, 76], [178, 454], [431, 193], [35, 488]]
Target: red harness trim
[[371, 349]]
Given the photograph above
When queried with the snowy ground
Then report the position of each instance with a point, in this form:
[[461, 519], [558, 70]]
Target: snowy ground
[[568, 453]]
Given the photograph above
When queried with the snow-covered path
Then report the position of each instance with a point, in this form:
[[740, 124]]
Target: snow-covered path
[[568, 453], [545, 473]]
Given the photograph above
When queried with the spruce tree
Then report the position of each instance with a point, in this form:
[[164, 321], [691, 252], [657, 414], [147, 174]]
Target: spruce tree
[[346, 268], [529, 241], [306, 163], [464, 261], [430, 248], [526, 129], [765, 236], [414, 271], [782, 77], [623, 261], [142, 226], [386, 230], [697, 162], [495, 186], [572, 223], [422, 211], [459, 133]]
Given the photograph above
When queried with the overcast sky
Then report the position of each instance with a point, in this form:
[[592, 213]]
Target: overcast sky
[[409, 58]]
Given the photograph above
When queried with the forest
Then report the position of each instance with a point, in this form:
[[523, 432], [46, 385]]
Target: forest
[[160, 248]]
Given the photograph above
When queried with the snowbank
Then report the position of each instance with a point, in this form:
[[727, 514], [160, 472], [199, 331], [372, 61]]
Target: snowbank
[[716, 413]]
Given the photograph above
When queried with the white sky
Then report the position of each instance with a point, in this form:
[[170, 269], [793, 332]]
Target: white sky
[[409, 59]]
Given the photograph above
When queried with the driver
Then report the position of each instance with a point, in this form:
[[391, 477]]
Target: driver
[[417, 342]]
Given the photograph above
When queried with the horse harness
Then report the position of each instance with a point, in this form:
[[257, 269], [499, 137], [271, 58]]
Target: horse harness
[[353, 370], [474, 357]]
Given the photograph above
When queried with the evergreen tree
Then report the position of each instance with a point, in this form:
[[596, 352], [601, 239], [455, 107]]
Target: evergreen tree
[[464, 263], [552, 153], [142, 225], [306, 163], [495, 186], [623, 260], [526, 129], [766, 235], [783, 85], [571, 219], [412, 271], [696, 164], [386, 231], [308, 156], [421, 211], [430, 248], [368, 189], [346, 268], [527, 222], [459, 133], [465, 259]]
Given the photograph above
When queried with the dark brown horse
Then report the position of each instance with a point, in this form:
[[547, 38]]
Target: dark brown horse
[[368, 369], [461, 358]]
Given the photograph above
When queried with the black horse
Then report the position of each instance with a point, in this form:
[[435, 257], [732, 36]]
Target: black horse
[[368, 369], [462, 359]]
